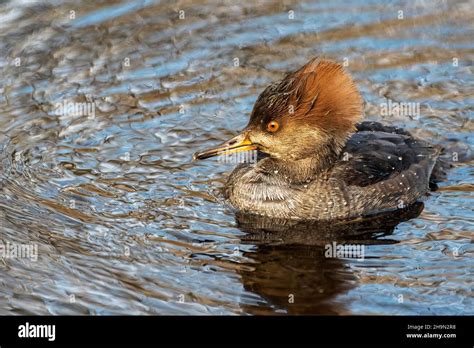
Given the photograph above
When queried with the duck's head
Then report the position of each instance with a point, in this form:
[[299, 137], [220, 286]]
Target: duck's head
[[312, 111]]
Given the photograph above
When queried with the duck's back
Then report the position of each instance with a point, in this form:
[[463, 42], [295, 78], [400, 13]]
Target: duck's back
[[384, 168]]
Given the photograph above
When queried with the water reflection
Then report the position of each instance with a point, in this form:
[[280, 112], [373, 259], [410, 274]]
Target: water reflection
[[293, 267]]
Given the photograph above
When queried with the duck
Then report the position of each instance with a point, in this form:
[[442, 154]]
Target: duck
[[317, 159]]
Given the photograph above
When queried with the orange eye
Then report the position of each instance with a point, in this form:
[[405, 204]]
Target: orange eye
[[272, 126]]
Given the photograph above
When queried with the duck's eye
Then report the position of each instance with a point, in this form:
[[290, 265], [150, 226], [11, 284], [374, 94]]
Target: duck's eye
[[272, 126]]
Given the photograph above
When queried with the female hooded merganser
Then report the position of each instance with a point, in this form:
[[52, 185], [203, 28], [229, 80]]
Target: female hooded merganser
[[319, 164]]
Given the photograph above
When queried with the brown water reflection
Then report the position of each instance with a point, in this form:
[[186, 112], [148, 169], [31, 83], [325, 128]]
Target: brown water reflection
[[292, 269], [126, 223]]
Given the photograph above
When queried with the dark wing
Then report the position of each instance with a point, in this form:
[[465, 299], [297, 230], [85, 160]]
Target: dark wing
[[376, 153]]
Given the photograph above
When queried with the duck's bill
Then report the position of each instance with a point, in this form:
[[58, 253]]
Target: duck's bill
[[237, 144]]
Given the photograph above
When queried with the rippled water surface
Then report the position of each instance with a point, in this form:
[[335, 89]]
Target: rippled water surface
[[126, 223]]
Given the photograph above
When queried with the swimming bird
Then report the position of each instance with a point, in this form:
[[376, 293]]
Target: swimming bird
[[319, 162]]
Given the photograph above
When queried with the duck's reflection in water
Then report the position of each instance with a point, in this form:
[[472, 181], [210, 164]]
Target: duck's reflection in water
[[291, 269]]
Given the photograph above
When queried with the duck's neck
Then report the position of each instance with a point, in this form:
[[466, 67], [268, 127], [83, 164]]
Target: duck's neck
[[301, 170]]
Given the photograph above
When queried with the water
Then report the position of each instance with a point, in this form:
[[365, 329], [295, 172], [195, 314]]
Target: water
[[126, 223]]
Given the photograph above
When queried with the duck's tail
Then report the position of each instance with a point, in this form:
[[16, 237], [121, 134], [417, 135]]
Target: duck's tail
[[450, 154]]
